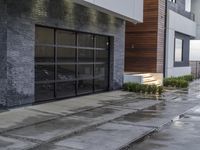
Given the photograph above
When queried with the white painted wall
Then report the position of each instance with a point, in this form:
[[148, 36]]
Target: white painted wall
[[181, 24], [131, 10], [179, 71], [196, 11], [195, 50]]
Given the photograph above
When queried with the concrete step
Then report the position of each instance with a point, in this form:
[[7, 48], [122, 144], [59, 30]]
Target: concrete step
[[149, 79], [153, 82], [145, 75]]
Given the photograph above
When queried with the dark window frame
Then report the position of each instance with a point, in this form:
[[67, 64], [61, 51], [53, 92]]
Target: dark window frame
[[173, 1], [76, 63], [185, 50]]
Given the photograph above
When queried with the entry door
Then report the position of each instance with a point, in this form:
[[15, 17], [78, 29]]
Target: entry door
[[69, 63]]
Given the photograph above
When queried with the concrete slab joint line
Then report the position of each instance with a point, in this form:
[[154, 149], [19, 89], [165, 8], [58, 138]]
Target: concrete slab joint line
[[86, 127], [21, 116]]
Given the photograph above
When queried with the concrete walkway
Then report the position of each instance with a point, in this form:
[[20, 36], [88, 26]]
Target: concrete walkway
[[107, 121]]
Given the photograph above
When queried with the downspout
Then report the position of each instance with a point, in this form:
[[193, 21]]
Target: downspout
[[165, 38]]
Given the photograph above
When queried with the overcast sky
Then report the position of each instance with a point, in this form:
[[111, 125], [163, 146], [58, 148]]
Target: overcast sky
[[195, 50]]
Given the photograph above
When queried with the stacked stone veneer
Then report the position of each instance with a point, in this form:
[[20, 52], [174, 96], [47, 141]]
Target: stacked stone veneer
[[17, 41], [3, 52]]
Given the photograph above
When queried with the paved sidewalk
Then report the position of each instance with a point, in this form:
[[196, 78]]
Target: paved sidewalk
[[106, 121]]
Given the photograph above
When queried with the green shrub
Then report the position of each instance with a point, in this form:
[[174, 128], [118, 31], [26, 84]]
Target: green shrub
[[160, 90], [142, 88], [154, 89], [187, 78], [178, 82], [149, 89]]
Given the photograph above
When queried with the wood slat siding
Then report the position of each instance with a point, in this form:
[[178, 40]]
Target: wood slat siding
[[145, 42]]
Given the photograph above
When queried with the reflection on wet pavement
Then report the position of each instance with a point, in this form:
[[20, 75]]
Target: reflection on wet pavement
[[183, 134], [113, 118], [155, 116]]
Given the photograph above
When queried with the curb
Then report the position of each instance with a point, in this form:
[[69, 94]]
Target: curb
[[131, 144]]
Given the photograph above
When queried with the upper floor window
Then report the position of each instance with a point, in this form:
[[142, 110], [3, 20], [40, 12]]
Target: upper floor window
[[173, 1], [188, 5]]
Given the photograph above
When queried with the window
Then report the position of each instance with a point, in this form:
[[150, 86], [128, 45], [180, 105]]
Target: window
[[188, 5], [178, 50], [173, 1], [69, 63]]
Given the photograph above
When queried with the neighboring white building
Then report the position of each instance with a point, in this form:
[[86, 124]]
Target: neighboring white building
[[195, 50], [195, 44], [181, 28]]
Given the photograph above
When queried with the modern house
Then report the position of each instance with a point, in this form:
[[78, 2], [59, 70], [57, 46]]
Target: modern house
[[195, 44], [160, 46], [181, 28], [55, 49]]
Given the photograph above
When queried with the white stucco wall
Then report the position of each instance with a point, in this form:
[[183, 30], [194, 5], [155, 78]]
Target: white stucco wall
[[181, 24], [131, 10]]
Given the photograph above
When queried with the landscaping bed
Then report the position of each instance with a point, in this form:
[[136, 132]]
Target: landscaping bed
[[178, 82], [173, 82]]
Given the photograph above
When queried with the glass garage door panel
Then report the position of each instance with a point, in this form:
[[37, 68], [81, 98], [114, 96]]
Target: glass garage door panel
[[102, 56], [101, 77], [44, 54], [44, 72], [66, 89], [85, 40], [44, 92], [85, 55], [65, 38], [85, 71], [101, 70], [66, 55], [102, 42], [66, 72], [69, 63], [44, 36], [85, 86], [101, 84]]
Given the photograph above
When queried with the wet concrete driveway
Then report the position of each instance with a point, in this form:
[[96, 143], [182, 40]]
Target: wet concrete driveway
[[107, 121], [182, 134]]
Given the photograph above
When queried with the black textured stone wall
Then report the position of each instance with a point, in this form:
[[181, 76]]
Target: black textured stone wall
[[23, 15], [3, 52]]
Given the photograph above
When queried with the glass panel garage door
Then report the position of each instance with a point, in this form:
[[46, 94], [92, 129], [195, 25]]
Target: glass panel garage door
[[69, 63]]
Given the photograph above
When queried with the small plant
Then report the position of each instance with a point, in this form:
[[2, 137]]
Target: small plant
[[188, 78], [160, 90], [149, 89], [154, 89], [178, 82], [142, 88]]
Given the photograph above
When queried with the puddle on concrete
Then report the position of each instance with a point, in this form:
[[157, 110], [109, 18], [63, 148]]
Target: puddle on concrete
[[82, 109], [97, 112], [182, 134]]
